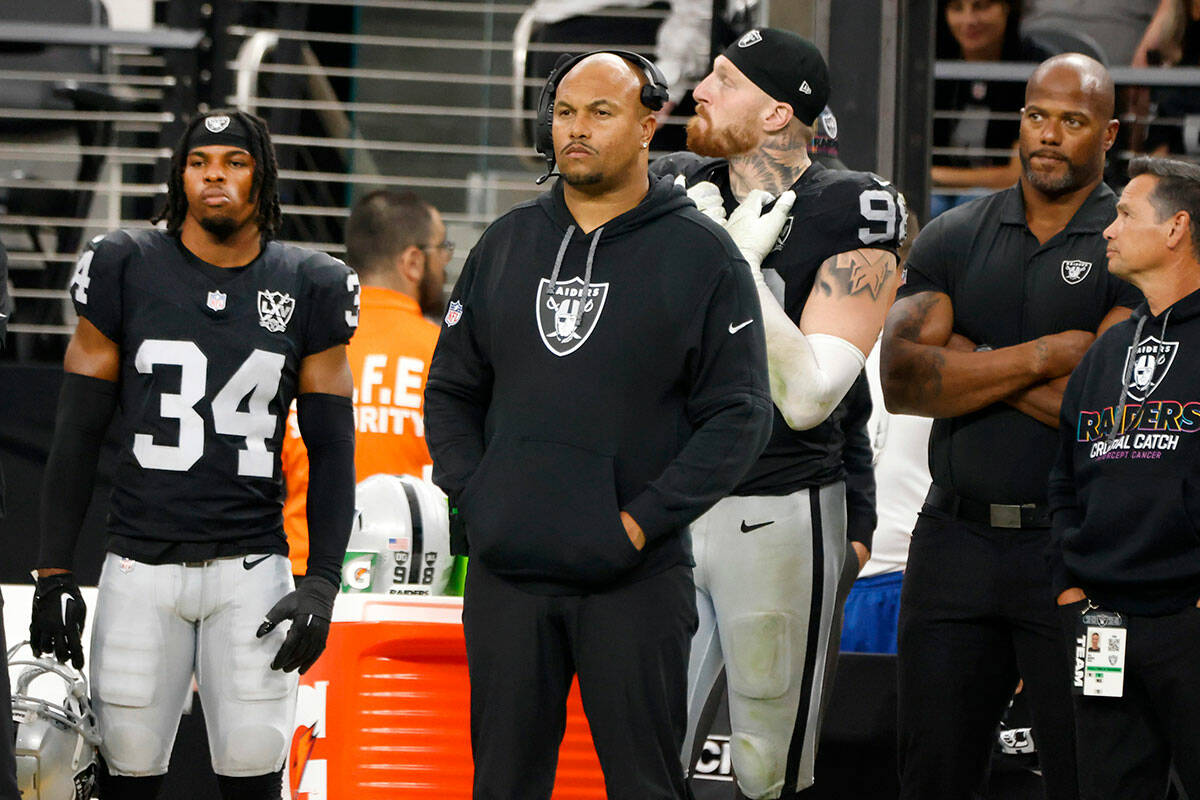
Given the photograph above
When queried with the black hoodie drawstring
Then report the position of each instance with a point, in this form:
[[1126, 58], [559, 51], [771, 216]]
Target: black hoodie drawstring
[[1119, 417]]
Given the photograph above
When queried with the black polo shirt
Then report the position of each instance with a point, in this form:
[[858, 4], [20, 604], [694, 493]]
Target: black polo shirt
[[1006, 289]]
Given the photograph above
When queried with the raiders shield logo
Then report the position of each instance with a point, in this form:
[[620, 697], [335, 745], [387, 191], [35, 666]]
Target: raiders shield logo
[[784, 232], [216, 123], [1150, 361], [1075, 271], [275, 310], [565, 317]]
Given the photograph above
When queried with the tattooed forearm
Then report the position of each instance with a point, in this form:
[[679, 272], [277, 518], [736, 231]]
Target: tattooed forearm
[[910, 317], [857, 272]]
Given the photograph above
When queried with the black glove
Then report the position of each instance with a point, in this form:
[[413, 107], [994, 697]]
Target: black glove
[[310, 608], [56, 624]]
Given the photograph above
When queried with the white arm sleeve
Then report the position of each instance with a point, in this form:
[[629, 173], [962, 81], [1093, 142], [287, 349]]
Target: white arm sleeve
[[809, 374]]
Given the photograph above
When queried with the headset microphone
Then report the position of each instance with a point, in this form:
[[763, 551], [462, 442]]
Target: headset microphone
[[654, 96]]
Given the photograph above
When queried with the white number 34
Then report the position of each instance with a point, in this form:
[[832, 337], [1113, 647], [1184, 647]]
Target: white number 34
[[258, 377]]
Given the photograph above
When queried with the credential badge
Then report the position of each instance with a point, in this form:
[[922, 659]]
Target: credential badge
[[216, 300], [1073, 271], [1150, 361], [566, 318], [750, 38], [216, 123], [275, 310], [453, 313]]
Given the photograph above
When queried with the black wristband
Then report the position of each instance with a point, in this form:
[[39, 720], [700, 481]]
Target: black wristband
[[327, 427], [85, 407]]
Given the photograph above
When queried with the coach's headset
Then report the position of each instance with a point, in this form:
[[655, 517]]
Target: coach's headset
[[654, 96]]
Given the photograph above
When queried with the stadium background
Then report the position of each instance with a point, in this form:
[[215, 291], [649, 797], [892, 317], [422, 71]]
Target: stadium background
[[432, 95]]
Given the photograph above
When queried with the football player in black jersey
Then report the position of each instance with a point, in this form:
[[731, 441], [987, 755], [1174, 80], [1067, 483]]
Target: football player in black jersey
[[203, 334], [772, 559]]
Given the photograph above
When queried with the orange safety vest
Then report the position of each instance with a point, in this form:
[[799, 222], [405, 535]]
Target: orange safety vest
[[389, 356]]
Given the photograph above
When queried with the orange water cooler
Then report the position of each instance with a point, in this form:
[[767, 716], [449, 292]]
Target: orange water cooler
[[385, 713]]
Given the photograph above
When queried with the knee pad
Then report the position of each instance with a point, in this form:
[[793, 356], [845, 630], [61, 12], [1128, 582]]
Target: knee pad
[[257, 787], [251, 750], [133, 750], [758, 764], [758, 656]]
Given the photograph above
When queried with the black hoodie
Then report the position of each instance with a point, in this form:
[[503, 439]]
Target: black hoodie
[[577, 376], [1126, 498]]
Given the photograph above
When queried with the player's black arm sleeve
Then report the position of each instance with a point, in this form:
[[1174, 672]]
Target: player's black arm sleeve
[[327, 427], [858, 457], [85, 407], [729, 407]]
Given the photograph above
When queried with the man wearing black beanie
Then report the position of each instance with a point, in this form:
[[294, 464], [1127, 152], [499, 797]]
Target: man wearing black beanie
[[773, 560]]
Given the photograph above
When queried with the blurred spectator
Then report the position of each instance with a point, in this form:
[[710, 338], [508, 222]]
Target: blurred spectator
[[977, 30], [1119, 27], [1174, 39]]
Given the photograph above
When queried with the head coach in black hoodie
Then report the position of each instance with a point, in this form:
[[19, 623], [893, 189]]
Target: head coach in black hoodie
[[600, 381], [1125, 494]]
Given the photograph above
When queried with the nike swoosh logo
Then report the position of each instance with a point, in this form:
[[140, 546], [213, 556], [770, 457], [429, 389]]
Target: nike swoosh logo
[[747, 528], [248, 564], [735, 328]]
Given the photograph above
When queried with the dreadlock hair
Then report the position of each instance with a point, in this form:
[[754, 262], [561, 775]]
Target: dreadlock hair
[[265, 186]]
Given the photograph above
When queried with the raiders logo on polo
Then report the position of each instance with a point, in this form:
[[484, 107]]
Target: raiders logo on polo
[[217, 123], [784, 232], [1073, 271], [749, 38], [1150, 360], [275, 310], [566, 318]]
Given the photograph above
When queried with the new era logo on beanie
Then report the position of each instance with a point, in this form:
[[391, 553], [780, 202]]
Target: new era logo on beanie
[[787, 67]]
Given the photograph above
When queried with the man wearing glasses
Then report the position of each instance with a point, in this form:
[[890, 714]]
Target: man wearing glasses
[[397, 244]]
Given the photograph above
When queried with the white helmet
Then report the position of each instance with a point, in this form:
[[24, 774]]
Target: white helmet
[[55, 741], [400, 541]]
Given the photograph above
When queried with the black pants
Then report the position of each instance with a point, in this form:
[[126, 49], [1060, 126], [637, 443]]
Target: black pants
[[1126, 744], [976, 615], [629, 647], [8, 766]]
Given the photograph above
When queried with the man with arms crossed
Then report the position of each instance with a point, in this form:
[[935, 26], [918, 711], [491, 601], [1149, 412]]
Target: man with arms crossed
[[1001, 300], [600, 381], [772, 559], [202, 333]]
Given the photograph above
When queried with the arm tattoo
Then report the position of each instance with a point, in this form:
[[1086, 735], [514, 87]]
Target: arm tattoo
[[855, 273], [924, 373]]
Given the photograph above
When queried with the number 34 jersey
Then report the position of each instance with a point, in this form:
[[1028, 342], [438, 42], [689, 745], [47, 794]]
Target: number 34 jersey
[[836, 211], [210, 363]]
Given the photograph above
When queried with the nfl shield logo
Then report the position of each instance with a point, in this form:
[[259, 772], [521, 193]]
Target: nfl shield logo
[[566, 318], [453, 313], [275, 310], [216, 300], [1149, 361]]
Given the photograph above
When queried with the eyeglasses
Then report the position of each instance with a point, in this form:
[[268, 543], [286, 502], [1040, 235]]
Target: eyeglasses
[[445, 244]]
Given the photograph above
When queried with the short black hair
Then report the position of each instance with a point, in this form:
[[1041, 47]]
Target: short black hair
[[382, 225], [266, 176], [1177, 189]]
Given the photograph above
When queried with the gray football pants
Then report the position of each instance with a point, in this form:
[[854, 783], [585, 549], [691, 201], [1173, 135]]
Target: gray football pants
[[157, 625], [768, 570]]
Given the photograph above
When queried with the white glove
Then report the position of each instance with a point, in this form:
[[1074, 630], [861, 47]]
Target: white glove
[[755, 235], [707, 198]]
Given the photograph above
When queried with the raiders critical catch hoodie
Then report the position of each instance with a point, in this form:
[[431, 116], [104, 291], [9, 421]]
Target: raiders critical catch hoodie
[[1125, 492], [581, 375]]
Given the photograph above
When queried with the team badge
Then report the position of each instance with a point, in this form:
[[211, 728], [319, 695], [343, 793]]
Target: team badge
[[749, 38], [566, 318], [216, 123], [1074, 271], [1151, 359], [453, 313], [216, 300], [275, 310], [829, 121]]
